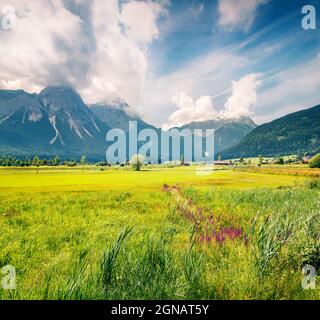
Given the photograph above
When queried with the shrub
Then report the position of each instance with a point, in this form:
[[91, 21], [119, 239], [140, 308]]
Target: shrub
[[137, 161], [315, 162], [280, 161]]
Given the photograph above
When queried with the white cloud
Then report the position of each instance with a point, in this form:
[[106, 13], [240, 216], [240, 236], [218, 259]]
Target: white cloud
[[28, 53], [190, 110], [243, 98], [140, 20], [97, 47], [239, 104], [238, 14]]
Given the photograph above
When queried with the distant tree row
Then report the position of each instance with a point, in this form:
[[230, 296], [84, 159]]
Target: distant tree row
[[36, 162], [136, 162]]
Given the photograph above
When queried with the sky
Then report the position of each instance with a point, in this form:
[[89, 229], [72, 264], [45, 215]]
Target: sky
[[172, 61]]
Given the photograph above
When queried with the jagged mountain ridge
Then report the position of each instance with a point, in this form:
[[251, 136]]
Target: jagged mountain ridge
[[53, 122], [228, 132], [64, 105]]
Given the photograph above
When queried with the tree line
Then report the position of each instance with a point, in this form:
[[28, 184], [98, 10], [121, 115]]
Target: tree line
[[10, 161]]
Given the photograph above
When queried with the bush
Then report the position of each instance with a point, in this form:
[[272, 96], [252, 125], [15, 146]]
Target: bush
[[137, 162], [315, 162], [280, 161]]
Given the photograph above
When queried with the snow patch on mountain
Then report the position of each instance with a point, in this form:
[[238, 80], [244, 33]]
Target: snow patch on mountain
[[35, 116], [4, 119], [52, 120], [95, 125]]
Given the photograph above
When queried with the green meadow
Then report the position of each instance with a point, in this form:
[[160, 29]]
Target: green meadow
[[161, 233]]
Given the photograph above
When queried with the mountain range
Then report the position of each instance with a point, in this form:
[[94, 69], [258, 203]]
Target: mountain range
[[53, 122], [227, 132], [295, 133], [56, 122]]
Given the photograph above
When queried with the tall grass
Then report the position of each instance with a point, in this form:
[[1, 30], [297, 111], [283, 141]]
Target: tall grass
[[109, 260], [79, 246]]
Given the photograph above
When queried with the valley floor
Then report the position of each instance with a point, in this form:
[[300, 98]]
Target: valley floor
[[162, 233]]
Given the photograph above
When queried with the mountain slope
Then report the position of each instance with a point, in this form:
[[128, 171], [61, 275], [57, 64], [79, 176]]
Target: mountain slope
[[228, 132], [118, 116], [22, 119], [294, 133], [55, 122], [72, 120]]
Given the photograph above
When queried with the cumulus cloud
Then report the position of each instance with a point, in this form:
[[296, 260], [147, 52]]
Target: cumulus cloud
[[137, 15], [98, 47], [243, 98], [239, 104], [29, 52], [190, 110], [238, 14]]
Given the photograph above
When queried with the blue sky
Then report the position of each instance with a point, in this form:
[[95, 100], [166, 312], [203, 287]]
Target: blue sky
[[192, 30], [173, 61]]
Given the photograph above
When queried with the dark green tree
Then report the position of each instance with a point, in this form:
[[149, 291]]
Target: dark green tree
[[315, 161]]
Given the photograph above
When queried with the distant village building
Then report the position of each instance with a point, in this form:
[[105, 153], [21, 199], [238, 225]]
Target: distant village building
[[306, 159], [222, 163]]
